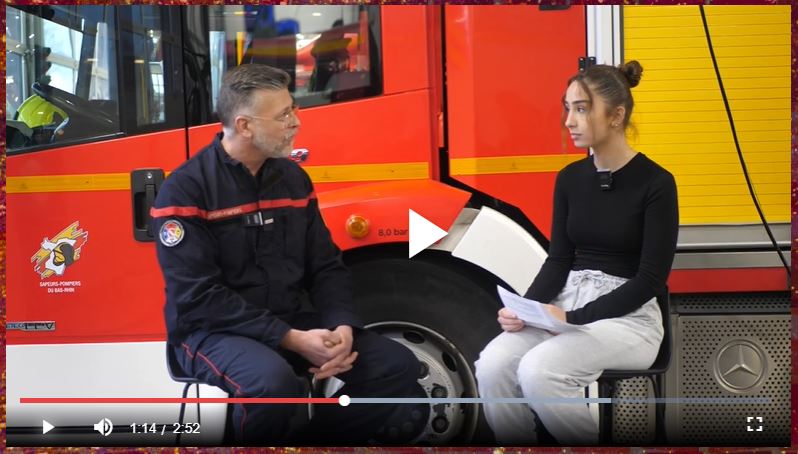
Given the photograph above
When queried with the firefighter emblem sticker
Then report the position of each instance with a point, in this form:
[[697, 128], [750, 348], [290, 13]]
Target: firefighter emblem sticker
[[58, 253], [171, 233]]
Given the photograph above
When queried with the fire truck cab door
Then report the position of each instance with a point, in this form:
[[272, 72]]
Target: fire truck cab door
[[99, 90], [507, 69]]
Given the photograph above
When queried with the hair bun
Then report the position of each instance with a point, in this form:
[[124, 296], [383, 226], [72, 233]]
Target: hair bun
[[632, 71]]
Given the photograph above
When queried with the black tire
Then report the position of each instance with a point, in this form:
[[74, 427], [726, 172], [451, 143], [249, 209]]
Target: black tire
[[446, 319]]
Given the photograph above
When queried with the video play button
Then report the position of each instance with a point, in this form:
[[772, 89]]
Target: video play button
[[46, 427], [422, 233]]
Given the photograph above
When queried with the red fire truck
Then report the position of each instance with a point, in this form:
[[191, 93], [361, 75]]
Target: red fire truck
[[453, 112]]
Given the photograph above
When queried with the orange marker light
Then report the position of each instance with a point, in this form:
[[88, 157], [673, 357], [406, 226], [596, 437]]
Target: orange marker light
[[357, 226]]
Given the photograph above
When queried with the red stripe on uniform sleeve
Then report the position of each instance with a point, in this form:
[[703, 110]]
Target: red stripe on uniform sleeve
[[178, 211], [283, 203], [225, 213]]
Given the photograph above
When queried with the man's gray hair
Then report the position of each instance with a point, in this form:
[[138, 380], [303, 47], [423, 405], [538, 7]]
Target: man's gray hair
[[239, 85]]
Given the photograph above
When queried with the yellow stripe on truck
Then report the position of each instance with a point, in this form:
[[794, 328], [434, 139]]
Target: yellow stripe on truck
[[512, 164], [319, 174], [68, 183], [369, 172], [121, 181]]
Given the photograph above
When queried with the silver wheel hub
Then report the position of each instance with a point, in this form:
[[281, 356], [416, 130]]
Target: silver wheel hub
[[445, 374]]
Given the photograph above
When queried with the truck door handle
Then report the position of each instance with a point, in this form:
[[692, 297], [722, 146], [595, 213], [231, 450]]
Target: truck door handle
[[144, 186]]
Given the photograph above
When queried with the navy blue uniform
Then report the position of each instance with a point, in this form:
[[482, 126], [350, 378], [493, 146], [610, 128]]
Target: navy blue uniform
[[246, 258]]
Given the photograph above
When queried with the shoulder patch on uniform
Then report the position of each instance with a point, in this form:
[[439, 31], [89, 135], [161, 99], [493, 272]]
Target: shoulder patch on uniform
[[171, 233]]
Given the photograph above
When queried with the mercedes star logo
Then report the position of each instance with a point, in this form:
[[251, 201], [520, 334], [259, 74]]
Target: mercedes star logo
[[740, 366]]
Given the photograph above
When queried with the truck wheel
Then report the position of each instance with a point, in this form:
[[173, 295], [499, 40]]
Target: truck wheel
[[445, 319]]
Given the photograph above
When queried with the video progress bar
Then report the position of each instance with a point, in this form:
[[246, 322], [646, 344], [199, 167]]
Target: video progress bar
[[346, 400]]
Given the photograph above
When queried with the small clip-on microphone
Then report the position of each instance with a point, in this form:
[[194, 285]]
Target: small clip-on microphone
[[605, 179]]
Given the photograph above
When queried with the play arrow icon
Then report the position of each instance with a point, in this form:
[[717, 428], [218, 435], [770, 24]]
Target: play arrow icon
[[422, 233], [46, 427]]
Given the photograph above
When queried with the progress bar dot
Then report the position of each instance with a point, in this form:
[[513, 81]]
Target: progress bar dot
[[344, 400]]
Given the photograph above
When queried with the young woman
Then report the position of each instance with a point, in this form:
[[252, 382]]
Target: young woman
[[613, 238]]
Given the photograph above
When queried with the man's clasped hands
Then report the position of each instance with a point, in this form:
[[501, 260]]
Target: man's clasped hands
[[330, 352]]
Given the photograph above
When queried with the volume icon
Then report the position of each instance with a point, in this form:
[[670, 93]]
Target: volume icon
[[104, 426]]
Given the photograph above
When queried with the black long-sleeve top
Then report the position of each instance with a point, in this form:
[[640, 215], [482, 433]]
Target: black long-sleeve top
[[629, 231]]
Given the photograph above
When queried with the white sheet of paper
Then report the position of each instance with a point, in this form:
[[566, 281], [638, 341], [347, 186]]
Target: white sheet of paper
[[533, 313]]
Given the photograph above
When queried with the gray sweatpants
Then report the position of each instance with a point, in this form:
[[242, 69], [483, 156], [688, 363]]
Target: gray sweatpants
[[534, 363]]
